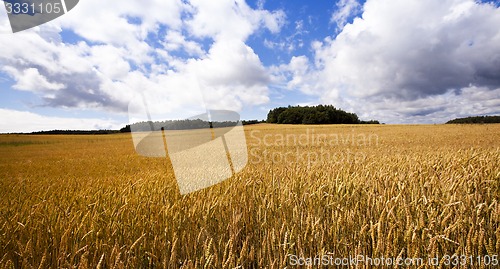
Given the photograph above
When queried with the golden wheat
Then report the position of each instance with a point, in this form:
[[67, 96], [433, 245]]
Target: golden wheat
[[392, 191]]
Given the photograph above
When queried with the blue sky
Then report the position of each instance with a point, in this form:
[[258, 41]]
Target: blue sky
[[414, 61]]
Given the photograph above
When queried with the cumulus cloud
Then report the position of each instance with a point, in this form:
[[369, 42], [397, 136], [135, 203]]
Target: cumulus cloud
[[431, 109], [115, 58], [345, 10], [230, 20], [63, 75], [418, 49], [123, 23], [410, 53], [417, 60], [30, 79], [23, 121], [174, 41]]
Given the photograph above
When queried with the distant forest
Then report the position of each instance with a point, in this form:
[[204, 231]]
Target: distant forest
[[187, 124], [76, 132], [478, 119], [321, 114]]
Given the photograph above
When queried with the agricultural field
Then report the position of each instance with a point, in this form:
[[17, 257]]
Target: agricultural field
[[309, 194]]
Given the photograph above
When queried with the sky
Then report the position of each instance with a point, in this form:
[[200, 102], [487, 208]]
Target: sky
[[411, 61]]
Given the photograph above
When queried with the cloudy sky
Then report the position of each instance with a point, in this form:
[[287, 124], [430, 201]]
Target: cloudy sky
[[397, 61]]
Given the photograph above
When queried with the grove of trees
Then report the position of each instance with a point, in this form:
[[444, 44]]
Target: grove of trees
[[478, 119], [176, 125], [321, 114]]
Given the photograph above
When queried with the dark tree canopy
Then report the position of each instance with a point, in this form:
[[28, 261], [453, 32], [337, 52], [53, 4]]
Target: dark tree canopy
[[250, 122], [321, 114], [76, 132], [187, 124], [478, 119]]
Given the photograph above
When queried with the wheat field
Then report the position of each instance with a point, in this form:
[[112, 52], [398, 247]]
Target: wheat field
[[408, 191]]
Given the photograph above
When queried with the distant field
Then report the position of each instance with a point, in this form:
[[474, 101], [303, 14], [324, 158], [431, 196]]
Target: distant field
[[409, 191]]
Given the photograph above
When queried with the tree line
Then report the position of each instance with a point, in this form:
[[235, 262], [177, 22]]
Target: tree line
[[76, 132], [321, 114], [477, 119], [187, 124]]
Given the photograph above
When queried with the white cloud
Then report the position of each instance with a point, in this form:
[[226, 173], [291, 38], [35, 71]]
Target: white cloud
[[22, 121], [72, 69], [299, 67], [114, 60], [4, 22], [470, 101], [122, 22], [232, 75], [260, 4], [411, 53], [345, 9], [231, 20], [30, 80], [290, 43], [110, 61], [174, 40]]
